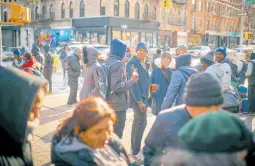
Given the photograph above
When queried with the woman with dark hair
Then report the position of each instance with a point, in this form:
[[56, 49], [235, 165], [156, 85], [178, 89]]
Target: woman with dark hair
[[87, 137]]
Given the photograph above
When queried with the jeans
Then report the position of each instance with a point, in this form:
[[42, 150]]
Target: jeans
[[120, 124], [138, 127], [48, 74], [73, 83], [251, 97]]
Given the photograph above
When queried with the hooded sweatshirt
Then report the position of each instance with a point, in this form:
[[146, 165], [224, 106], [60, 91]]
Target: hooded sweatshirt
[[17, 92], [90, 84], [179, 78]]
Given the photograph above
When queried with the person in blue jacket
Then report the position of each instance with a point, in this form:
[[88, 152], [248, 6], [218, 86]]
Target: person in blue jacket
[[161, 76], [179, 78], [139, 97]]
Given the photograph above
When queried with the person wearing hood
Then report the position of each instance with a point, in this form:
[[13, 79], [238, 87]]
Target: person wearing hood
[[87, 138], [139, 97], [38, 56], [20, 112], [118, 83], [207, 60], [48, 66], [204, 135], [161, 77], [90, 84], [202, 94], [18, 61], [250, 73], [179, 78], [74, 71], [62, 57]]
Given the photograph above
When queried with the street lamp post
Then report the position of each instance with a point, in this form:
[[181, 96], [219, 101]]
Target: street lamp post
[[124, 27]]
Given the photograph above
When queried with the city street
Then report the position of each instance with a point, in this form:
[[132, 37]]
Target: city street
[[55, 110]]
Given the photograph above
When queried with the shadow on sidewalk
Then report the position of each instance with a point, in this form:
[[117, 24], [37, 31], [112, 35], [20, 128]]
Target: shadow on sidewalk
[[55, 113]]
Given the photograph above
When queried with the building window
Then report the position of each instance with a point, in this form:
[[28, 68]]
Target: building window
[[185, 18], [71, 10], [127, 9], [199, 23], [193, 23], [63, 12], [207, 6], [146, 12], [44, 12], [102, 8], [163, 15], [207, 24], [137, 11], [200, 5], [194, 5], [5, 16], [154, 13], [82, 9], [36, 13], [170, 17], [52, 14], [116, 7]]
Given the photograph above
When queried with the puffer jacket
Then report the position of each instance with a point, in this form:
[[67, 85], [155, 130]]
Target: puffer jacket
[[178, 82]]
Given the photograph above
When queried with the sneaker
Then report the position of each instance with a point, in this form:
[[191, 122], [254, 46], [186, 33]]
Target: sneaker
[[138, 158]]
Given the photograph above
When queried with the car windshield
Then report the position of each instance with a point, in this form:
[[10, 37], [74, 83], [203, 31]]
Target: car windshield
[[196, 48], [101, 48]]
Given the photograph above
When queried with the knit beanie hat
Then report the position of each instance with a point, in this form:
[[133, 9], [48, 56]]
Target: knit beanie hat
[[216, 132], [202, 89], [165, 54], [77, 51], [252, 56], [118, 48], [142, 45], [17, 52], [183, 60], [222, 50], [208, 58]]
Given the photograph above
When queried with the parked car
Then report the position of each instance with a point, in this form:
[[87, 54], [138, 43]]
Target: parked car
[[8, 53], [199, 51]]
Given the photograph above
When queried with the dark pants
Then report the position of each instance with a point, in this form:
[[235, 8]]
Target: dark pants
[[120, 124], [251, 97], [138, 127], [48, 74], [73, 83]]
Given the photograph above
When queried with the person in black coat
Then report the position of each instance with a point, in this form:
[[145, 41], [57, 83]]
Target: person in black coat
[[21, 97]]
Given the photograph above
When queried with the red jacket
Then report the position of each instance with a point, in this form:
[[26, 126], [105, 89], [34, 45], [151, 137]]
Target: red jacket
[[28, 63]]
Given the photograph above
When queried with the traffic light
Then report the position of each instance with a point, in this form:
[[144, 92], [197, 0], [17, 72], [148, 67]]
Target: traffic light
[[248, 36], [25, 15], [19, 14], [166, 3], [15, 12]]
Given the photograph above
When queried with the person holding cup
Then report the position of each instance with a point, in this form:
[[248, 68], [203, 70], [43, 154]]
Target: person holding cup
[[160, 79], [139, 98]]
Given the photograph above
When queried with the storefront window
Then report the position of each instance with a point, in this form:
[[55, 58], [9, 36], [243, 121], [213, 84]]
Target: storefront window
[[93, 38], [148, 39], [161, 41], [116, 35], [134, 40], [154, 40], [142, 37], [101, 38]]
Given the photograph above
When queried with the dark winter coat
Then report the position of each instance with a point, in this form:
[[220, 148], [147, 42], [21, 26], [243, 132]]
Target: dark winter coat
[[17, 91], [80, 154], [139, 91]]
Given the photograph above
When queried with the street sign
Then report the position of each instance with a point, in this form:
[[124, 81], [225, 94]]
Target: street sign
[[243, 14], [249, 1], [167, 4]]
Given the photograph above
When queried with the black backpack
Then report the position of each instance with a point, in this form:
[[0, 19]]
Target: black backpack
[[103, 79]]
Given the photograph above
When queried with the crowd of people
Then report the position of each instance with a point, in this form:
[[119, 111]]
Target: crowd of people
[[194, 105]]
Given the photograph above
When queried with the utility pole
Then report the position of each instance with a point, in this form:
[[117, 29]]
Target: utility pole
[[242, 25]]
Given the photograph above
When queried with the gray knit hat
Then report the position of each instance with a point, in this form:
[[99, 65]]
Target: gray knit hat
[[208, 58], [203, 89]]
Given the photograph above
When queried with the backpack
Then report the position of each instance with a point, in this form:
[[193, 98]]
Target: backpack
[[103, 79]]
